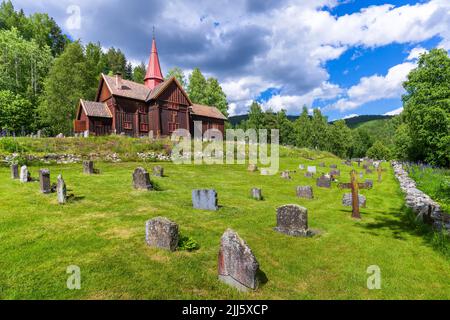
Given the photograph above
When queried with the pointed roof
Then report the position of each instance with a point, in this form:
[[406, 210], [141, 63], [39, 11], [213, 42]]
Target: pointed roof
[[154, 75]]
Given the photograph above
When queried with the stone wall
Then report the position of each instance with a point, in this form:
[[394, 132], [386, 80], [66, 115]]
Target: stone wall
[[422, 205]]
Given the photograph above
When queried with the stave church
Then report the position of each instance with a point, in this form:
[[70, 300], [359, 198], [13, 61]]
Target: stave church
[[156, 108]]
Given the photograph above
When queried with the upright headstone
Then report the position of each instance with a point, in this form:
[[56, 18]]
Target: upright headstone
[[369, 184], [256, 194], [15, 171], [252, 168], [324, 182], [88, 167], [335, 173], [293, 221], [347, 200], [369, 171], [141, 179], [309, 175], [333, 166], [322, 164], [361, 175], [161, 233], [24, 174], [44, 181], [61, 190], [237, 265], [286, 175], [158, 171], [312, 169], [205, 200], [305, 192]]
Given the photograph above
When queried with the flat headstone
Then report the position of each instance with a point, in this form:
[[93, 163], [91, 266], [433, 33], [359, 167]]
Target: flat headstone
[[252, 168], [205, 200], [158, 171], [286, 175], [61, 190], [24, 174], [161, 233], [141, 179], [324, 182], [312, 169], [369, 171], [347, 200], [335, 173], [88, 167], [322, 164], [237, 265], [293, 221], [309, 175], [369, 184], [44, 181], [15, 171], [256, 194], [305, 192]]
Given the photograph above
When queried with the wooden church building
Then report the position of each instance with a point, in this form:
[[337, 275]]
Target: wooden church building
[[158, 106]]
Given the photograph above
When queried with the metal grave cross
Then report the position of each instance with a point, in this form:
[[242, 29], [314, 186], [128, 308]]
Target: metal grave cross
[[354, 186]]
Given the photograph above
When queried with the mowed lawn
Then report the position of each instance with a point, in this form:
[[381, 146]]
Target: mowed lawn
[[102, 231]]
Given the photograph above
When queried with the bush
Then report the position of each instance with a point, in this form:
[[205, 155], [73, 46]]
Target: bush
[[11, 145], [187, 243]]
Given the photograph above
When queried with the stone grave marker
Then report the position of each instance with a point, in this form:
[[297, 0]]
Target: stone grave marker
[[347, 200], [309, 175], [88, 167], [44, 181], [369, 184], [361, 175], [252, 168], [265, 172], [301, 167], [24, 174], [158, 171], [335, 173], [293, 221], [257, 194], [161, 233], [237, 265], [61, 190], [15, 171], [333, 166], [205, 200], [141, 179], [286, 175], [369, 171], [322, 164], [305, 192], [312, 169], [324, 182]]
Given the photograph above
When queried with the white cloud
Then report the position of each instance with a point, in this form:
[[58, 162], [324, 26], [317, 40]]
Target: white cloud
[[353, 115], [394, 112], [415, 53]]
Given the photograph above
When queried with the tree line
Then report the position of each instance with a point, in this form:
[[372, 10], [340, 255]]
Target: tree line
[[44, 74]]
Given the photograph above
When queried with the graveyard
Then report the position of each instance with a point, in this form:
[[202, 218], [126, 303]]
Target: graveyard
[[102, 229]]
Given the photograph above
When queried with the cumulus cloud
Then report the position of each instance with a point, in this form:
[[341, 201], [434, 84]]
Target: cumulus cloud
[[255, 45], [415, 53], [394, 112]]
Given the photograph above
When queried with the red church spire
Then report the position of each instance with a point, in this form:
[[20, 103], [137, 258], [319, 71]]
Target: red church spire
[[154, 74]]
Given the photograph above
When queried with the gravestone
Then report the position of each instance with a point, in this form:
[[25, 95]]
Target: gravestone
[[237, 265], [305, 192], [24, 174], [347, 200], [161, 233], [368, 171], [348, 163], [141, 179], [301, 167], [333, 166], [293, 221], [205, 200], [257, 194], [61, 190], [44, 181], [361, 175], [322, 165], [365, 166], [335, 173], [264, 172], [324, 182], [15, 171], [252, 168], [369, 184], [286, 175], [158, 171], [88, 167], [309, 175], [312, 170]]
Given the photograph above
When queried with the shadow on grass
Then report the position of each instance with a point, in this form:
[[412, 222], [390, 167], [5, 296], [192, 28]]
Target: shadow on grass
[[262, 277]]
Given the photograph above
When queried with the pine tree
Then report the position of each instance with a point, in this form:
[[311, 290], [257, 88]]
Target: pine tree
[[197, 87], [139, 73], [215, 96]]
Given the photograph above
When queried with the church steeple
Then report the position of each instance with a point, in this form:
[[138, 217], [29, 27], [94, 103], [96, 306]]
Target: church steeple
[[154, 74]]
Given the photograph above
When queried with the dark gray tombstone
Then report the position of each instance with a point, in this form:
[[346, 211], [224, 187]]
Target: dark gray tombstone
[[161, 233], [88, 167], [158, 171], [141, 179], [44, 181], [205, 200], [257, 194], [335, 173], [333, 166], [369, 184], [324, 182], [322, 164], [15, 171], [61, 190], [347, 200], [237, 265], [293, 221], [305, 192], [369, 171], [309, 174]]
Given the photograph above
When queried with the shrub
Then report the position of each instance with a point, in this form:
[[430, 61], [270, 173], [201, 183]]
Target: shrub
[[11, 145], [187, 243]]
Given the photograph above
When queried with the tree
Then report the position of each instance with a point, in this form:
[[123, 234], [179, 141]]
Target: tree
[[340, 139], [302, 127], [178, 74], [215, 96], [65, 85], [128, 72], [95, 64], [362, 141], [117, 62], [255, 117], [379, 152], [427, 108], [16, 113], [139, 73], [286, 127], [319, 131], [197, 87]]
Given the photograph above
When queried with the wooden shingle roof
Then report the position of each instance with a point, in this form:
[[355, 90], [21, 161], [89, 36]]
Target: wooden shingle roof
[[207, 111], [129, 89], [96, 109]]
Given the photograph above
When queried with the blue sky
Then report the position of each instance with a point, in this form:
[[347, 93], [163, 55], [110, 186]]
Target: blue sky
[[344, 57]]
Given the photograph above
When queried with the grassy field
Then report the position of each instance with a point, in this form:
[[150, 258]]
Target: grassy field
[[102, 232]]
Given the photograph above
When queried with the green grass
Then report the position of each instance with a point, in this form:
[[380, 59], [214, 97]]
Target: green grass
[[102, 232]]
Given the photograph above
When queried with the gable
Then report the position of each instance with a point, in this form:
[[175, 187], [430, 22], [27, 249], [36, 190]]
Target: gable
[[174, 94]]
